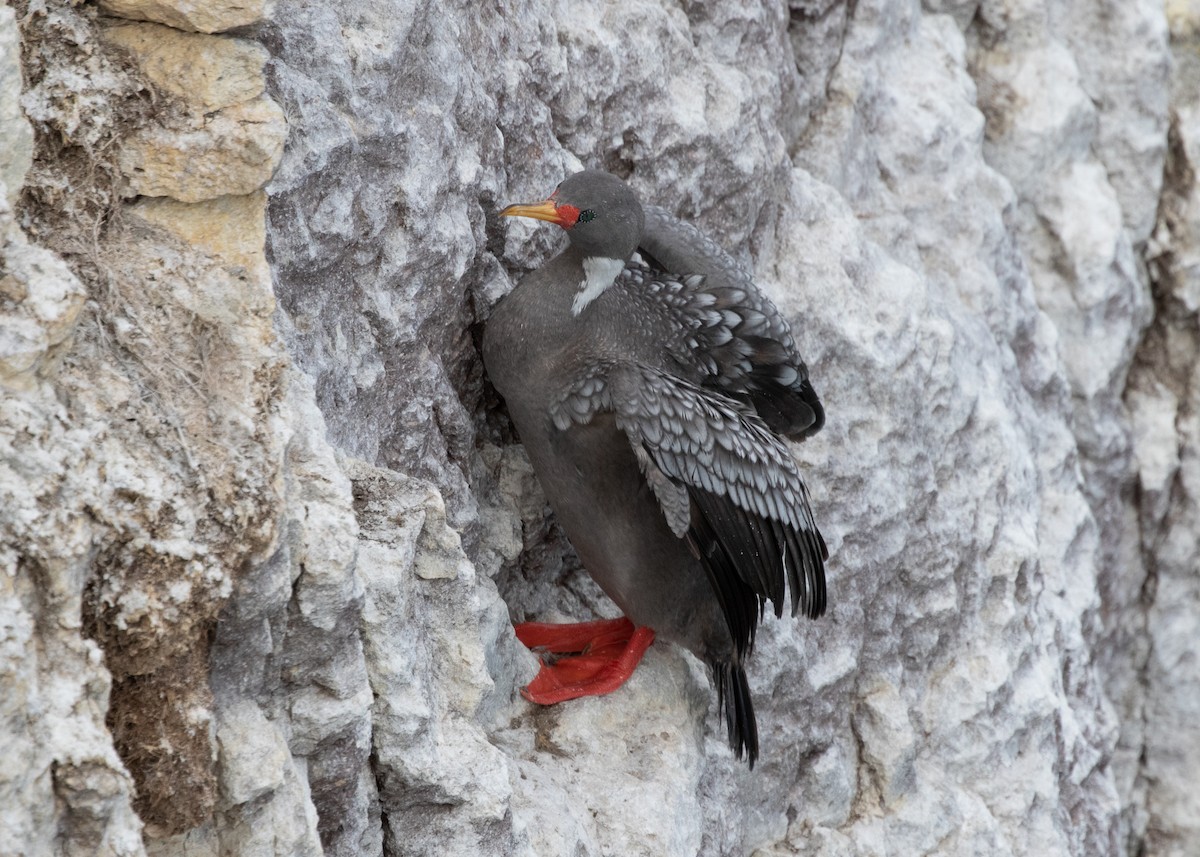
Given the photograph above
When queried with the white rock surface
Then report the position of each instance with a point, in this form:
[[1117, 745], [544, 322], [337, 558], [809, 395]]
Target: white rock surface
[[63, 787], [290, 530], [17, 154], [1162, 400]]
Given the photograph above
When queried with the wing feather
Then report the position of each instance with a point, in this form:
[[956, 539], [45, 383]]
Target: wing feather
[[737, 336], [751, 524]]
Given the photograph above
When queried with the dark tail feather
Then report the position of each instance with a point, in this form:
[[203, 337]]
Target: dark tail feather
[[733, 697]]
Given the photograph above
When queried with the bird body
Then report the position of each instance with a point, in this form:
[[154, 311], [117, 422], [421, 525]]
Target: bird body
[[629, 549], [650, 382]]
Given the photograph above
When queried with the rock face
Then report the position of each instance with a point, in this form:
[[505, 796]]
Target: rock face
[[264, 525]]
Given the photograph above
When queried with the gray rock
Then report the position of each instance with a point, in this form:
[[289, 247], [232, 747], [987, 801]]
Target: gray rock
[[16, 156], [1162, 401], [307, 525]]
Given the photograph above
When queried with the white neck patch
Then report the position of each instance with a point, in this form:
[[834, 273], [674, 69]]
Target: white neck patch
[[599, 273]]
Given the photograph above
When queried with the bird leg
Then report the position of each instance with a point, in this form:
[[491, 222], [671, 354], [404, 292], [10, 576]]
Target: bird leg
[[609, 650]]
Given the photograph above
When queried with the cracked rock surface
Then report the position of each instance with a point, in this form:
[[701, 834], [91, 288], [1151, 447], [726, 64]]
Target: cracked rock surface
[[264, 525]]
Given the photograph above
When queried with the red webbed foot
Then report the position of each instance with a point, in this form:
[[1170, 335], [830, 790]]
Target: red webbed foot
[[609, 651]]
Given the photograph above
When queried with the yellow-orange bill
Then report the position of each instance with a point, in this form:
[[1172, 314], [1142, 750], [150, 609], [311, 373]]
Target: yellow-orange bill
[[540, 211]]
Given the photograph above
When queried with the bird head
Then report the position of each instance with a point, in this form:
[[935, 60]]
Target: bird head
[[600, 213]]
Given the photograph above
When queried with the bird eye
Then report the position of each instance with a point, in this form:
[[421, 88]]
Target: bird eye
[[586, 215]]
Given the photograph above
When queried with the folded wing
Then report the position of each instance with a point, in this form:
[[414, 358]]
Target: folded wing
[[747, 516], [742, 343]]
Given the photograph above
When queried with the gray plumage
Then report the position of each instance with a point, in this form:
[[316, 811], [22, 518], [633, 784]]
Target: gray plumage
[[653, 418]]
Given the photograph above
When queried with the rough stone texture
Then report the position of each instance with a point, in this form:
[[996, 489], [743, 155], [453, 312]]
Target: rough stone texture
[[1164, 399], [210, 72], [231, 151], [17, 154], [63, 788], [43, 300], [202, 16], [1184, 19], [231, 227], [427, 630], [141, 465], [219, 135], [260, 550]]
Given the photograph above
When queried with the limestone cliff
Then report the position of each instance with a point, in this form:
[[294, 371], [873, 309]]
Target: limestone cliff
[[264, 524]]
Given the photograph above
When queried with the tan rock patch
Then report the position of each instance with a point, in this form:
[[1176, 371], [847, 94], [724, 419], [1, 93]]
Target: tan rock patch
[[209, 72], [201, 16]]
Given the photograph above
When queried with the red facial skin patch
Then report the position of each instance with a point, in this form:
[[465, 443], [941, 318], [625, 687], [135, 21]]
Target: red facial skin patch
[[568, 214]]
